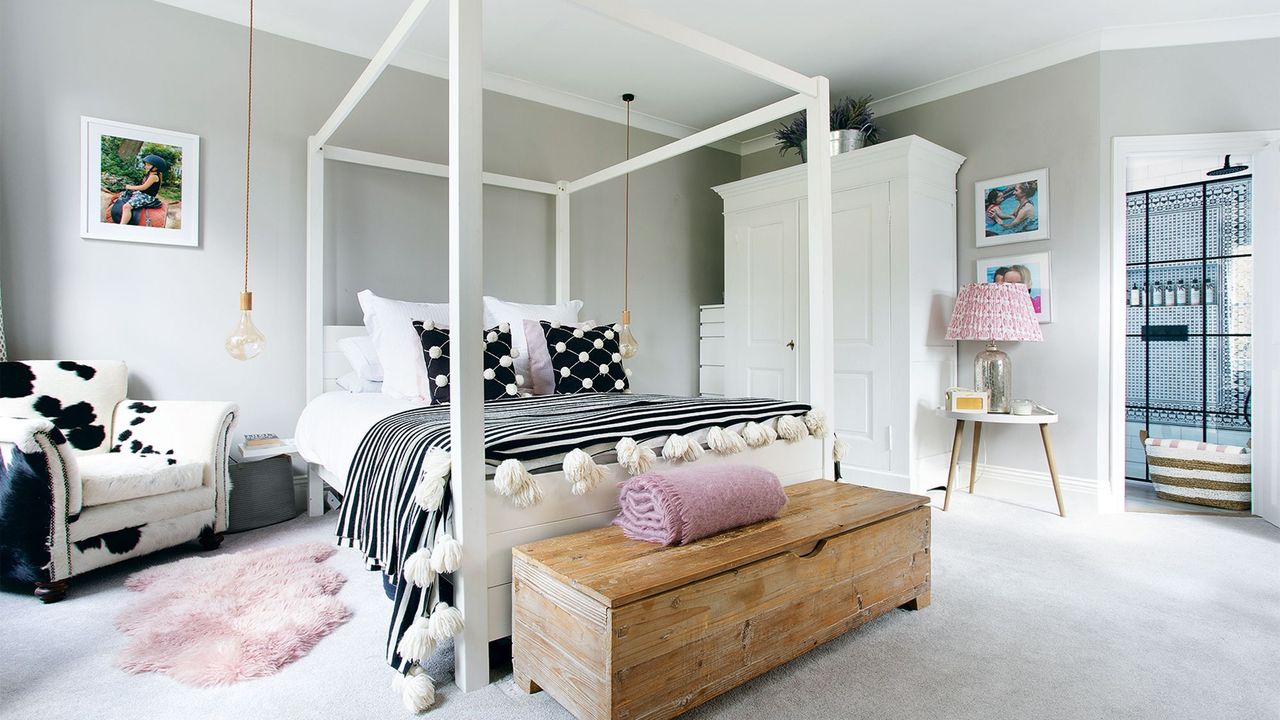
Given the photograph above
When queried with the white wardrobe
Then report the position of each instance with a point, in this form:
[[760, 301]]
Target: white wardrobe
[[894, 254]]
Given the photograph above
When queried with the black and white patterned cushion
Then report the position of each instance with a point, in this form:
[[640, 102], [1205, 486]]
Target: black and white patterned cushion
[[500, 379], [585, 359]]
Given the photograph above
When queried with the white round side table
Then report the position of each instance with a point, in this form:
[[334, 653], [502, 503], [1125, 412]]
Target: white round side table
[[1041, 416]]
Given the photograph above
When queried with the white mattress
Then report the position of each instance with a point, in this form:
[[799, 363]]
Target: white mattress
[[333, 424]]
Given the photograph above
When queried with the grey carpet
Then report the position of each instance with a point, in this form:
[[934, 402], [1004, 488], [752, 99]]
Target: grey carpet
[[1118, 616]]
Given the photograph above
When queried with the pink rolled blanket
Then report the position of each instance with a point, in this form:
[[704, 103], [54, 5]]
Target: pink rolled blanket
[[678, 506]]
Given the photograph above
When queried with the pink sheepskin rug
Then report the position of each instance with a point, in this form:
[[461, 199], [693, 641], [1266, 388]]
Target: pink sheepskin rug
[[219, 620]]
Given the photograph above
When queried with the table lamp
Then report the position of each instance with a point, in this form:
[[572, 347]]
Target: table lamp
[[991, 312]]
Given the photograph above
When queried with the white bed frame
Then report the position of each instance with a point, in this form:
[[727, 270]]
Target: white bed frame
[[487, 536]]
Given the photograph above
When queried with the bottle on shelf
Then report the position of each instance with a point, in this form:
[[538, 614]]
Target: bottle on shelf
[[1170, 294], [1157, 293], [1180, 293], [1193, 292], [1135, 296], [1210, 295], [1142, 298]]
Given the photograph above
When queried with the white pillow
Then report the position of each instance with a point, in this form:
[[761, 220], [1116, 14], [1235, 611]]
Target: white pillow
[[362, 357], [516, 313], [353, 383], [390, 326]]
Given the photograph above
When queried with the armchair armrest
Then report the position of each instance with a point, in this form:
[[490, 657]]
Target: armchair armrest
[[186, 429], [40, 493]]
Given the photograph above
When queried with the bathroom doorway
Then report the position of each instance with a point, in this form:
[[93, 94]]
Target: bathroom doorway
[[1188, 331], [1204, 370]]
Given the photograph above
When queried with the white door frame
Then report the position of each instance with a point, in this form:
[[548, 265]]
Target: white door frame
[[1263, 147]]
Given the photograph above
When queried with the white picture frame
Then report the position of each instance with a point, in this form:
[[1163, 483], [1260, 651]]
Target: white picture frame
[[1038, 265], [176, 221], [995, 223]]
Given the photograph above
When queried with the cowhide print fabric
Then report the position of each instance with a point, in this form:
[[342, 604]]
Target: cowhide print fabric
[[38, 473], [79, 398], [71, 409]]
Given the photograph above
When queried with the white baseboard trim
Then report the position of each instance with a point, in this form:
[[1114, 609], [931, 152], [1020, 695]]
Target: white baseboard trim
[[1030, 487]]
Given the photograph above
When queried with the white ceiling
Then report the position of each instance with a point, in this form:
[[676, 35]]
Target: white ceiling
[[558, 51]]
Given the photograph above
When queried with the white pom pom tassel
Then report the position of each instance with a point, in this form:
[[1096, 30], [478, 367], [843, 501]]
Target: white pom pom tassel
[[446, 556], [417, 644], [436, 463], [513, 481], [725, 442], [816, 421], [582, 471], [418, 570], [675, 448], [757, 435], [839, 449], [446, 622], [792, 428], [417, 689], [429, 492], [635, 458]]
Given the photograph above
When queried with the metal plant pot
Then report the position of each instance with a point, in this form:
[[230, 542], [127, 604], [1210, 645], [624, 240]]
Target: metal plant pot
[[842, 141]]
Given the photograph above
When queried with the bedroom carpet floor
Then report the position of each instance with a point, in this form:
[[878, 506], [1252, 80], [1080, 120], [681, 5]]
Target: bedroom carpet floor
[[1118, 616]]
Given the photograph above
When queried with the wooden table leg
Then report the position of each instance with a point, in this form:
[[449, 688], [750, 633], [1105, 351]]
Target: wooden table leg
[[955, 458], [1053, 468], [973, 463]]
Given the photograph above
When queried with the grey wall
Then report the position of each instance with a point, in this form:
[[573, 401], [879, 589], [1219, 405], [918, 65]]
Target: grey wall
[[1044, 119], [166, 310]]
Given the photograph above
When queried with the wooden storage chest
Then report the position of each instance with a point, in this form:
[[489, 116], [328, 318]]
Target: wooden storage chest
[[615, 628]]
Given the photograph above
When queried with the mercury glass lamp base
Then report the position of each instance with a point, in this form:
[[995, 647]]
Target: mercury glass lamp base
[[993, 372]]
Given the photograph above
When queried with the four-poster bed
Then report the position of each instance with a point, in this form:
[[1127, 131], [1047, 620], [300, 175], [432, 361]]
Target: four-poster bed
[[482, 523]]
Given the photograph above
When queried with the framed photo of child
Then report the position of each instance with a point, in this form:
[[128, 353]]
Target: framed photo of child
[[1030, 269], [1011, 209], [139, 184]]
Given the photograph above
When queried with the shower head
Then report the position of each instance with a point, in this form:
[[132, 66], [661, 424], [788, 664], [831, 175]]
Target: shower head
[[1227, 168]]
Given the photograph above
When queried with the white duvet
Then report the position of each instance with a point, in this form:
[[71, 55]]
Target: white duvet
[[332, 425]]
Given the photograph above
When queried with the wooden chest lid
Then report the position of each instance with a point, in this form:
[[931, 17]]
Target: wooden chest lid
[[614, 570]]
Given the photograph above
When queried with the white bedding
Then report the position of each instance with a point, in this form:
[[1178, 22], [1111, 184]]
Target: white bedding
[[333, 424]]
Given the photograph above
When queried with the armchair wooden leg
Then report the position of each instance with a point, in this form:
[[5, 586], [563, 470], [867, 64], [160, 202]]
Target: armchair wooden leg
[[52, 592], [210, 540]]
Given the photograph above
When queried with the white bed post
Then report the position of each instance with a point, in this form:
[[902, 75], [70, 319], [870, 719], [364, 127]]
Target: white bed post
[[315, 302], [563, 258], [821, 298], [466, 416]]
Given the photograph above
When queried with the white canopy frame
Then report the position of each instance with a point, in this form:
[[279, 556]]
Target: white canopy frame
[[466, 180]]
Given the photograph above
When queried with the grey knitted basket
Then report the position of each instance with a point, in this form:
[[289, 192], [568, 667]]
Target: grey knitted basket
[[261, 493]]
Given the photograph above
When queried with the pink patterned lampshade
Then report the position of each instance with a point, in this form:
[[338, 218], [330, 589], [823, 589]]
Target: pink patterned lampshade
[[994, 311]]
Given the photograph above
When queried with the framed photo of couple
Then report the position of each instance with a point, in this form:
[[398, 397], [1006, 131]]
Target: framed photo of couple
[[1012, 209], [139, 184]]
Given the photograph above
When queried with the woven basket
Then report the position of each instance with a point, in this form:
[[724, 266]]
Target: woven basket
[[1218, 476]]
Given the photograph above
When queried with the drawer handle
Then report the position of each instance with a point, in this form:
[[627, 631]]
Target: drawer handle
[[814, 551]]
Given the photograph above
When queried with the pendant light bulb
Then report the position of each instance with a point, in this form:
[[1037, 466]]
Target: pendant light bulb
[[246, 341], [628, 346]]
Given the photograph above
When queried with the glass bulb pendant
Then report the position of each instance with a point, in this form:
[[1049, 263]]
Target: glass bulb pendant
[[245, 341], [627, 344]]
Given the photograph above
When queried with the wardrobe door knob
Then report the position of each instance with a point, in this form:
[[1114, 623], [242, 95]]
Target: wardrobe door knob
[[792, 345]]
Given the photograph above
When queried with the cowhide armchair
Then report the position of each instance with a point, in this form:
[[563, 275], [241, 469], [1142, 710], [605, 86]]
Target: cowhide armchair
[[89, 478]]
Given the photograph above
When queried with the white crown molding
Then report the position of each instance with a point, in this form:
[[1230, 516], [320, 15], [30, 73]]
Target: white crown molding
[[1252, 27], [1130, 37]]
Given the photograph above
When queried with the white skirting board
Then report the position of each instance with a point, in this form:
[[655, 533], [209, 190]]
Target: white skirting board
[[1025, 487]]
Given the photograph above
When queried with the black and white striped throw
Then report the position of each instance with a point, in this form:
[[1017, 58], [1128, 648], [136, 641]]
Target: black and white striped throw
[[381, 519]]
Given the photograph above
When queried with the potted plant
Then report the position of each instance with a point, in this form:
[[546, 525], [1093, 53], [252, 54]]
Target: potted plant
[[852, 127]]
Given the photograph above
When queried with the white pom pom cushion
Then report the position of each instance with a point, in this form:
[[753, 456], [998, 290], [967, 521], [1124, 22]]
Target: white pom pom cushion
[[499, 366], [585, 360], [514, 314]]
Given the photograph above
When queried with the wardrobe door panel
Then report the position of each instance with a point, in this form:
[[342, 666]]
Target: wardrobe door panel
[[761, 301], [863, 368]]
